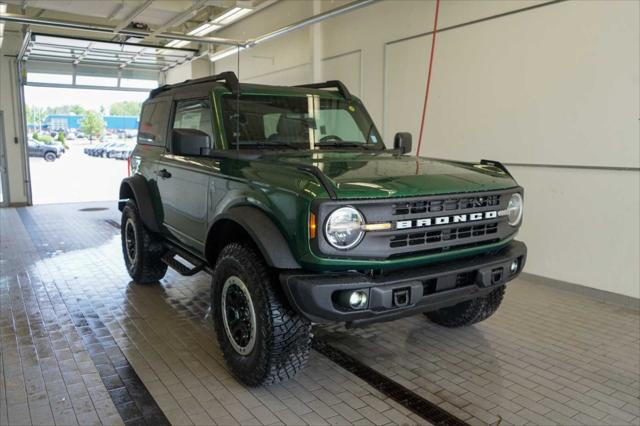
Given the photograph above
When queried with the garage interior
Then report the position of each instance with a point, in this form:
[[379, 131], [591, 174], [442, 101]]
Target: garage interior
[[550, 89]]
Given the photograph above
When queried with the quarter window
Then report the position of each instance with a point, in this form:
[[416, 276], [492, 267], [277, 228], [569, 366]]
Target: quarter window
[[153, 122]]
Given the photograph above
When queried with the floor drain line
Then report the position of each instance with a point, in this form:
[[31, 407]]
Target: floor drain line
[[405, 397]]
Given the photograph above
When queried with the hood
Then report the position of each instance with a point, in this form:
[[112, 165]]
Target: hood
[[384, 174]]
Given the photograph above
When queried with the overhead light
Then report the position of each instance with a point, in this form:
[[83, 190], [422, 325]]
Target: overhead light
[[133, 40], [177, 43], [231, 15], [204, 29], [224, 53], [3, 8]]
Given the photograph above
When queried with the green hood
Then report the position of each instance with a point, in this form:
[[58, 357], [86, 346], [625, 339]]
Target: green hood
[[384, 175]]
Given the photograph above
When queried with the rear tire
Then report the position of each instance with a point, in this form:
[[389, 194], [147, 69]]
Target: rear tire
[[262, 339], [50, 156], [141, 249], [469, 312]]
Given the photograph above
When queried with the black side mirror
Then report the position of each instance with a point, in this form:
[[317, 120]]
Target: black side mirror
[[402, 142], [189, 141]]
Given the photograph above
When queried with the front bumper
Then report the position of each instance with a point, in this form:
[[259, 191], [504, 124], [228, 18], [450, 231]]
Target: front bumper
[[397, 294]]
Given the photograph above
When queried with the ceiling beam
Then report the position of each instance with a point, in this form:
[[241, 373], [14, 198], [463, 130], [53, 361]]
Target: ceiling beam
[[133, 15], [180, 18], [54, 23]]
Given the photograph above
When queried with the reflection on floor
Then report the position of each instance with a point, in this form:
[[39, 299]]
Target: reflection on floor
[[81, 344]]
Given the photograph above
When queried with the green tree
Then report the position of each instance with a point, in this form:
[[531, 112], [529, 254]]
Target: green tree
[[92, 124], [35, 115], [125, 108], [77, 110]]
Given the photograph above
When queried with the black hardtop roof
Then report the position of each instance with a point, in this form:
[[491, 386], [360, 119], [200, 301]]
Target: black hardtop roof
[[230, 80]]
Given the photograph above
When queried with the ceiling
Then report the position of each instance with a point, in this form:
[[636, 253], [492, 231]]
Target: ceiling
[[180, 17], [71, 54]]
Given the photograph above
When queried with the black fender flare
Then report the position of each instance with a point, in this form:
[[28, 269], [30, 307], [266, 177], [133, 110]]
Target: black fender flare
[[136, 187], [263, 231]]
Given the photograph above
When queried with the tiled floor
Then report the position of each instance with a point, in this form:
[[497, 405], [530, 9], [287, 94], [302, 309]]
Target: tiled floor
[[81, 344]]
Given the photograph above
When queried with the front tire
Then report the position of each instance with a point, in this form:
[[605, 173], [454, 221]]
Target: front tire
[[469, 312], [141, 249], [262, 339], [50, 156]]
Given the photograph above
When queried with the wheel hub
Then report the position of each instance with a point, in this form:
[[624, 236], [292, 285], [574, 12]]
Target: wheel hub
[[238, 315], [130, 240]]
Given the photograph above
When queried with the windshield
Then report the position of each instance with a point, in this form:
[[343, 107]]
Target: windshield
[[297, 122]]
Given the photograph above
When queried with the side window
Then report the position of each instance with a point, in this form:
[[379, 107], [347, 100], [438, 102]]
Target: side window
[[194, 114], [153, 122]]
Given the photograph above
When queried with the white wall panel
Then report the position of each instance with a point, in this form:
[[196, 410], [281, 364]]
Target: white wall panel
[[404, 87], [346, 67], [582, 226], [300, 74], [555, 85]]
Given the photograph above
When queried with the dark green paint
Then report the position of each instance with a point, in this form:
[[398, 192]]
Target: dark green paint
[[203, 188]]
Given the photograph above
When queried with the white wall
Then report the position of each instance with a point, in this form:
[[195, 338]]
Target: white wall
[[551, 86], [12, 123]]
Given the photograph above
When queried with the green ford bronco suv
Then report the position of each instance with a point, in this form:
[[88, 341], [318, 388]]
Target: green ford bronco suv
[[290, 199]]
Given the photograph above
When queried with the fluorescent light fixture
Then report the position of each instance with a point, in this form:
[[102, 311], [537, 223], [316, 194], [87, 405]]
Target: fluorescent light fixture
[[3, 8], [221, 54], [204, 29], [177, 43], [231, 15]]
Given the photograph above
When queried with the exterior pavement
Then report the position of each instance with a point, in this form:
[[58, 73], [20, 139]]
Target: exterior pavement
[[82, 344]]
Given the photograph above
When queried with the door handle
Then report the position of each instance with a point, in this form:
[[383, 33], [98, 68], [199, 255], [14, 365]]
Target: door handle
[[164, 174]]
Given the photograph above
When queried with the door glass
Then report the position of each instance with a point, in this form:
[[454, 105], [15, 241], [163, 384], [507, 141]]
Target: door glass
[[194, 114]]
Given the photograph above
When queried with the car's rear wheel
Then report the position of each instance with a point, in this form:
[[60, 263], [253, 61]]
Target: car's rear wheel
[[262, 339], [142, 250], [469, 312], [50, 156]]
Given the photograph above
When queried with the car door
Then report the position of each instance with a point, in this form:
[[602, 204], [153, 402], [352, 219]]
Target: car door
[[183, 181]]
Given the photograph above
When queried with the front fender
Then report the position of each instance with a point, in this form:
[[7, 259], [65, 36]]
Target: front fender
[[272, 244]]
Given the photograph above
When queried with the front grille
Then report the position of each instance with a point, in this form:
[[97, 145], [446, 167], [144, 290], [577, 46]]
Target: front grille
[[423, 226], [450, 234], [445, 205]]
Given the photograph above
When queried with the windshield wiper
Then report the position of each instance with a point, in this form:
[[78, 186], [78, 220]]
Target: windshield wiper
[[276, 144], [345, 144]]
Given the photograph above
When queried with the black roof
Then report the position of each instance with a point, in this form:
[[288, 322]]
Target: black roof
[[230, 80]]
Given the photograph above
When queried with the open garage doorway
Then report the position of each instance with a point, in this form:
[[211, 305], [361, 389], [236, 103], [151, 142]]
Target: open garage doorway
[[79, 142], [81, 101]]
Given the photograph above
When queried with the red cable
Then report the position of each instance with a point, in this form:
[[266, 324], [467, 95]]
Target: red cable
[[426, 95]]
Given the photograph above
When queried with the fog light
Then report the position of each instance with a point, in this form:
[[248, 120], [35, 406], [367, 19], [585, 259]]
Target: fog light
[[358, 299], [514, 266]]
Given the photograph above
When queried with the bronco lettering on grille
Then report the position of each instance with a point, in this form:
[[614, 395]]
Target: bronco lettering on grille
[[445, 220]]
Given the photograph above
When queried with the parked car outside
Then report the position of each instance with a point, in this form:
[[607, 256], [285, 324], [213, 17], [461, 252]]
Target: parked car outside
[[121, 151], [39, 149]]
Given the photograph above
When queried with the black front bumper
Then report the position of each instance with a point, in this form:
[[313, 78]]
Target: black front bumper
[[401, 293]]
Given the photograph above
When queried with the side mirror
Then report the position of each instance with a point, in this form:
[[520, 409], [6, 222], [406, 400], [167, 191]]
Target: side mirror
[[189, 141], [402, 142]]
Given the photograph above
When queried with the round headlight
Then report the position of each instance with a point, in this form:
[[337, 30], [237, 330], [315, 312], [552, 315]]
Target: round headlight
[[343, 228], [514, 209]]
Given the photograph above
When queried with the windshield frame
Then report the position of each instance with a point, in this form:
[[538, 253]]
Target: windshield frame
[[224, 143]]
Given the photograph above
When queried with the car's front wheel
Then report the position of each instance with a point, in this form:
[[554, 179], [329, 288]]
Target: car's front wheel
[[469, 312], [141, 249], [50, 156], [262, 339]]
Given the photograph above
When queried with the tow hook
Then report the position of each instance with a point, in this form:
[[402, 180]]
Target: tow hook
[[401, 297]]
